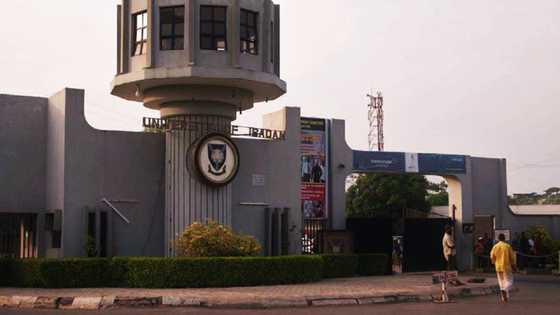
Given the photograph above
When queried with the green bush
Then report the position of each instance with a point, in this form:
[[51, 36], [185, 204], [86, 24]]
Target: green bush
[[161, 272], [215, 240], [372, 264], [222, 272], [339, 266]]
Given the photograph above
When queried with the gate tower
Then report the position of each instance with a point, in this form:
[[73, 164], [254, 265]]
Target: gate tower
[[199, 62]]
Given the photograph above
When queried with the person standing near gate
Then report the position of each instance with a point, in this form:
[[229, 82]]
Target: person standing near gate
[[448, 243], [503, 258]]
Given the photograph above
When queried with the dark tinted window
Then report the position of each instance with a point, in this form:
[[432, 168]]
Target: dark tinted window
[[213, 28], [172, 28], [249, 32]]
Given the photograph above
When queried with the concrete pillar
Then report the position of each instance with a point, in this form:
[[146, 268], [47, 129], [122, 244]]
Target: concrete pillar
[[187, 198]]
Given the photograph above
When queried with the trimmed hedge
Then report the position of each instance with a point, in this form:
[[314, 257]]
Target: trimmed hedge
[[184, 272], [160, 272], [340, 266], [222, 272], [372, 264]]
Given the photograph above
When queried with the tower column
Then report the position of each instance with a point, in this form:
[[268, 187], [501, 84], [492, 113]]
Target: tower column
[[188, 198]]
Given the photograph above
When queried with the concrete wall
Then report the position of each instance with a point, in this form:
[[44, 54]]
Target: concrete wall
[[107, 164], [279, 163], [22, 153]]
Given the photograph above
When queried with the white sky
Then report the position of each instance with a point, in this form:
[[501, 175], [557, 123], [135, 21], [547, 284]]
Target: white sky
[[472, 77]]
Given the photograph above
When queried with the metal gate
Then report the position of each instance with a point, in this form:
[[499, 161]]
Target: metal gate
[[18, 237], [422, 244], [313, 235]]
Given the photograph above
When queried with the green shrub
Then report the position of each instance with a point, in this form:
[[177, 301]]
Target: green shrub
[[222, 272], [215, 240], [160, 272], [372, 264], [339, 266]]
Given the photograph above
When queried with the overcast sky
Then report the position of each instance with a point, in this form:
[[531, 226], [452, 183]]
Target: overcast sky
[[472, 77]]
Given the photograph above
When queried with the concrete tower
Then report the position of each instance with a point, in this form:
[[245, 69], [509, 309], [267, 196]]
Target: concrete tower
[[199, 62]]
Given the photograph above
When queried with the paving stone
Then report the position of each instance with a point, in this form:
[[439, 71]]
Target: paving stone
[[274, 303], [107, 301], [137, 301], [5, 300], [46, 302], [331, 302], [65, 302], [372, 300], [86, 303], [23, 301], [180, 301]]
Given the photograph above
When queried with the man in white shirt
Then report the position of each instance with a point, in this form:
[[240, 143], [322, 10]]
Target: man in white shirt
[[449, 251]]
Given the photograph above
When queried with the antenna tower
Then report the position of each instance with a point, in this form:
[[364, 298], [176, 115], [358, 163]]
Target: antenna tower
[[376, 137]]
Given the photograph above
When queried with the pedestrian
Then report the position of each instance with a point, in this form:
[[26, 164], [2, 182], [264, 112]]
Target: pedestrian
[[479, 252], [449, 247], [503, 258]]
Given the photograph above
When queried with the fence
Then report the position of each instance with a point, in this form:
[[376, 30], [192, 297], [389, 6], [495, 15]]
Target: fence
[[312, 240]]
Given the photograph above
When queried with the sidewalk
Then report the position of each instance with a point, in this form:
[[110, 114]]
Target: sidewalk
[[348, 291]]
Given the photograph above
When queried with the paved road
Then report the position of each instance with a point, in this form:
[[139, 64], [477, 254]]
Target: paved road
[[538, 295]]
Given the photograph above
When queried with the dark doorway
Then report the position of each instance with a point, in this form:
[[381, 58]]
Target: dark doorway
[[422, 244], [372, 235]]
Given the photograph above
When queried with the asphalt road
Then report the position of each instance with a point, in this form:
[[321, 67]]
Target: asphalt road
[[538, 295]]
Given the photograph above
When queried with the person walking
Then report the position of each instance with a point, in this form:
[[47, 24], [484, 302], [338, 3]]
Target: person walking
[[448, 244], [504, 259]]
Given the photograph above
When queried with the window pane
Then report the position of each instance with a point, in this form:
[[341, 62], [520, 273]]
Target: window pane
[[220, 14], [180, 14], [220, 29], [205, 13], [166, 16], [251, 20], [166, 29], [206, 28], [180, 29], [179, 43], [252, 34], [138, 19], [166, 44], [206, 42], [138, 49], [220, 44], [243, 17], [144, 34], [143, 48], [138, 35], [243, 32], [244, 46], [144, 19]]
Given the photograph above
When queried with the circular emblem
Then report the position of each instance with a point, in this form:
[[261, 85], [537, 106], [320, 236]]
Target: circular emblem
[[216, 159]]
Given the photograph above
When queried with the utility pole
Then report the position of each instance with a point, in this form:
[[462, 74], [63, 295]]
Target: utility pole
[[376, 138]]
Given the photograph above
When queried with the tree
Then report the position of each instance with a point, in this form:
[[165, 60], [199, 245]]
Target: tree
[[437, 194], [552, 191], [387, 195]]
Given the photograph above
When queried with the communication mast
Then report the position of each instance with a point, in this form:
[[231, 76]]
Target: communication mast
[[376, 137]]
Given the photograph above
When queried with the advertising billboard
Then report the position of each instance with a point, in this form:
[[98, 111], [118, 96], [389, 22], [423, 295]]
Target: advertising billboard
[[313, 168]]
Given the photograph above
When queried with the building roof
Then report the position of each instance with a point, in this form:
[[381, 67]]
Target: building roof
[[536, 210]]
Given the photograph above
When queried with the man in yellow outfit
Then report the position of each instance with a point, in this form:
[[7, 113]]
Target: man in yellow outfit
[[503, 257]]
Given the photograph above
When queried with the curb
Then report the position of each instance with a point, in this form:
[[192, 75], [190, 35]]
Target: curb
[[104, 302]]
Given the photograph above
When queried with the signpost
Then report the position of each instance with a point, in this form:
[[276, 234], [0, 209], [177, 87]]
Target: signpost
[[445, 278]]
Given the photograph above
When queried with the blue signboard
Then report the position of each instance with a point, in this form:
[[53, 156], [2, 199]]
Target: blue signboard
[[400, 162], [374, 161], [442, 163]]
